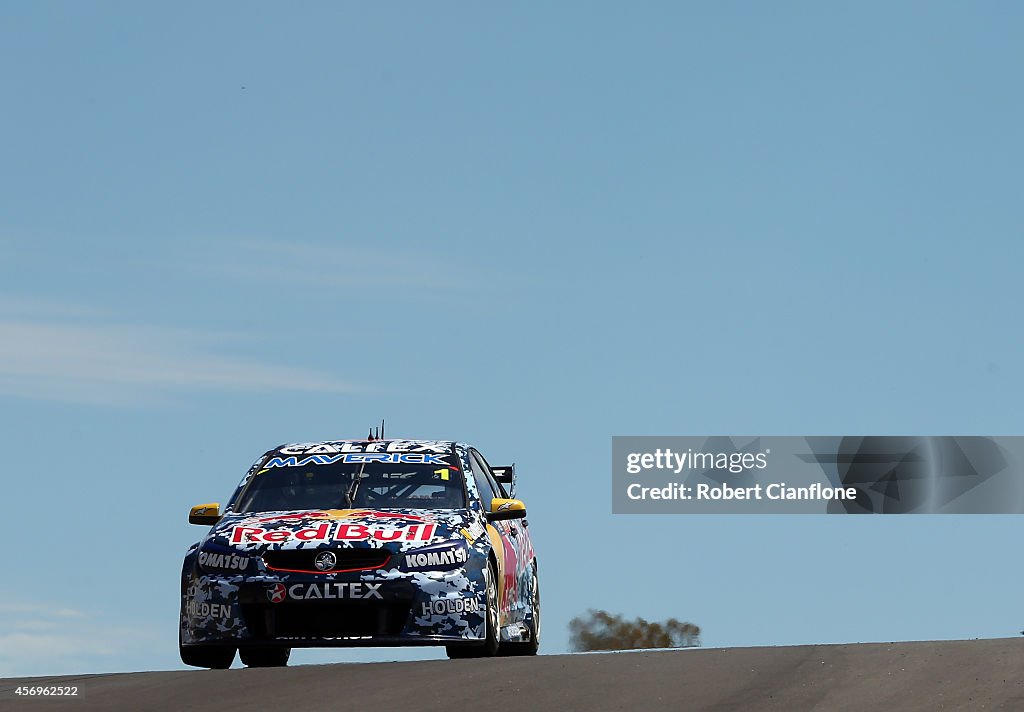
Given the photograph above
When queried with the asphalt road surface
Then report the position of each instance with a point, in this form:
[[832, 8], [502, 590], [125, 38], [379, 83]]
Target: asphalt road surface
[[953, 675]]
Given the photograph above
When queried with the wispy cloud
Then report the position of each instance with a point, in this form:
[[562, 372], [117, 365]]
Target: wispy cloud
[[331, 267], [124, 365], [35, 609], [37, 307], [38, 639]]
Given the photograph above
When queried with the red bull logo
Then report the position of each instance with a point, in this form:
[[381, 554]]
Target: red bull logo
[[328, 531]]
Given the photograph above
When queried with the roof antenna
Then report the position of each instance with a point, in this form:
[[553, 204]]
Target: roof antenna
[[376, 433]]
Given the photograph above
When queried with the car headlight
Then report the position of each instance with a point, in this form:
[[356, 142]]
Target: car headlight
[[436, 557]]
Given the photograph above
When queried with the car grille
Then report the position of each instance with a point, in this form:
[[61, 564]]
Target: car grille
[[323, 619], [347, 560]]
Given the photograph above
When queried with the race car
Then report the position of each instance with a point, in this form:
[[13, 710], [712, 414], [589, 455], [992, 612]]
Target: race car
[[374, 542]]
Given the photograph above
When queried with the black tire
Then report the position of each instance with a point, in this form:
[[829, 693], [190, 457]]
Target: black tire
[[264, 657], [531, 646], [214, 657], [491, 615]]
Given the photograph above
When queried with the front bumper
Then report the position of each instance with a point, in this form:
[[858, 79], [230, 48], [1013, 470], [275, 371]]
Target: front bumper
[[368, 608]]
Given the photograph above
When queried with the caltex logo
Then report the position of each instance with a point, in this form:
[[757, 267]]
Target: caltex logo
[[277, 593]]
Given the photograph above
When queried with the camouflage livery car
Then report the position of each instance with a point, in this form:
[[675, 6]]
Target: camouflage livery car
[[362, 542]]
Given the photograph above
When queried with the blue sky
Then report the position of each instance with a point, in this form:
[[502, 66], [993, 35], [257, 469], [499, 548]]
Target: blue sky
[[226, 227]]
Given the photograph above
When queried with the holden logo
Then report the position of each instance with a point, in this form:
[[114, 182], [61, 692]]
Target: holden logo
[[325, 561], [277, 593]]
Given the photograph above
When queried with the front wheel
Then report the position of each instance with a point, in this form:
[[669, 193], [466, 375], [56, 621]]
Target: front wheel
[[264, 657], [490, 647]]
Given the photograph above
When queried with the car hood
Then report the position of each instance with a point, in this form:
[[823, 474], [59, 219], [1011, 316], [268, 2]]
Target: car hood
[[392, 529]]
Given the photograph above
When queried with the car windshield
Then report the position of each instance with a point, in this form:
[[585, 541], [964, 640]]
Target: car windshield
[[328, 486]]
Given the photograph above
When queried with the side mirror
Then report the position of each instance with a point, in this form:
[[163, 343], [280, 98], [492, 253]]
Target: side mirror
[[502, 509], [208, 514]]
